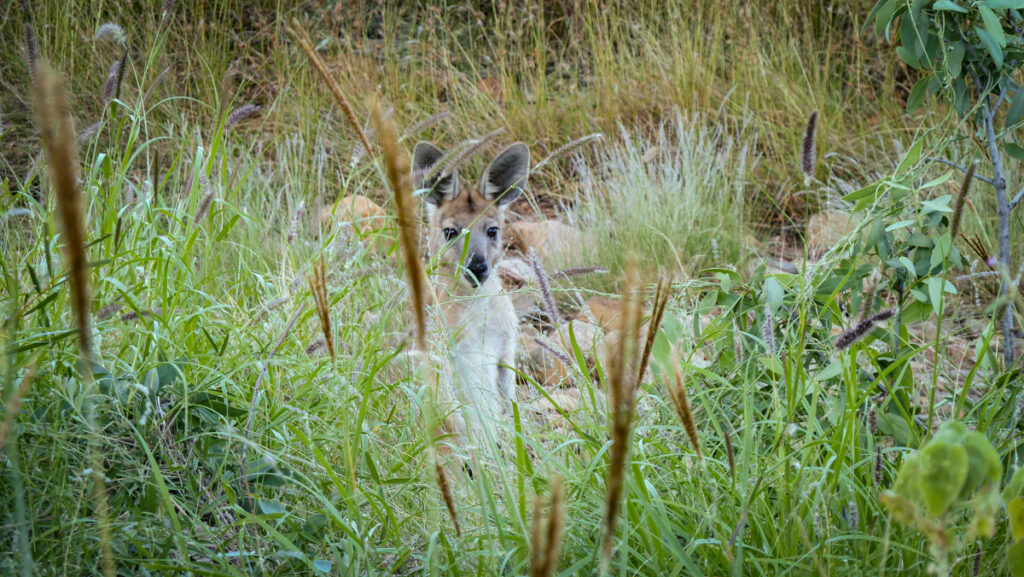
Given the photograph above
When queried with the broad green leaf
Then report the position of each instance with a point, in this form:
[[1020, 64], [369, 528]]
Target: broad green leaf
[[991, 45], [1016, 111], [955, 58], [834, 369], [937, 181], [1015, 511], [949, 6], [1004, 4], [272, 508], [868, 191], [917, 94], [940, 204], [983, 463], [899, 225], [1015, 488], [883, 17], [909, 266], [907, 482], [907, 55], [913, 155], [943, 470], [992, 25], [1014, 150], [934, 285], [772, 294], [1015, 558]]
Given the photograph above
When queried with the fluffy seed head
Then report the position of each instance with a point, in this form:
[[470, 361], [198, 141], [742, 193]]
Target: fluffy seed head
[[862, 328], [807, 148], [111, 31]]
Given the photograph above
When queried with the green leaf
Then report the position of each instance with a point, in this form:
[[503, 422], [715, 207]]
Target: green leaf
[[1016, 108], [992, 25], [937, 181], [955, 58], [1004, 4], [1015, 511], [917, 94], [883, 17], [913, 155], [908, 57], [949, 6], [868, 191], [983, 463], [908, 481], [909, 266], [934, 291], [940, 204], [773, 293], [991, 45], [272, 508], [943, 470], [899, 225], [1015, 488], [1014, 150], [1015, 558]]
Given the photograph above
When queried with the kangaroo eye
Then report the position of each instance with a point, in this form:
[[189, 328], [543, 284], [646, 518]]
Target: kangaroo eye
[[492, 232], [450, 233]]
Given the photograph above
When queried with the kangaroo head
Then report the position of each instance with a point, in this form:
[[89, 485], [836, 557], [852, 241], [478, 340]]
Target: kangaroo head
[[468, 222]]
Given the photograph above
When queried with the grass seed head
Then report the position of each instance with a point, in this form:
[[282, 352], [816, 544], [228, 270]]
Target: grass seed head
[[318, 286], [318, 64], [111, 31], [446, 493], [400, 179], [681, 402], [622, 396], [241, 113], [808, 145], [961, 200], [545, 289], [546, 538], [566, 149], [58, 134], [862, 328]]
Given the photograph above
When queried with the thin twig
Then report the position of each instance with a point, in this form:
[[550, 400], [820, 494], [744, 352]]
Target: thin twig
[[961, 168], [1016, 199]]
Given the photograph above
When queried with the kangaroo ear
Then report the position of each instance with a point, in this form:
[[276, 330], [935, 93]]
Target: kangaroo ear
[[424, 157], [505, 178]]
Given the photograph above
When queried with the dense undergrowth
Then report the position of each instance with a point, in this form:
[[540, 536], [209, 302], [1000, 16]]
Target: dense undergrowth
[[231, 444]]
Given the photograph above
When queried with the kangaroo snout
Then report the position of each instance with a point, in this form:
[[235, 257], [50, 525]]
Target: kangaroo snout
[[477, 270]]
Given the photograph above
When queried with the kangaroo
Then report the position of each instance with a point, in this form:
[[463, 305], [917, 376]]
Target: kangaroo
[[464, 237]]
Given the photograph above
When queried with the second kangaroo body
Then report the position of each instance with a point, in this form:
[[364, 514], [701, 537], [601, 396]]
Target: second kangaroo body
[[478, 320]]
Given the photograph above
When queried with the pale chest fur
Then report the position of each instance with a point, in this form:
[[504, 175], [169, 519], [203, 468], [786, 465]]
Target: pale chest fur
[[483, 330]]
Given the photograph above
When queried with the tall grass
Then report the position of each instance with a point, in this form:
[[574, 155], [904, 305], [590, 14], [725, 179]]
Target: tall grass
[[675, 199], [230, 446]]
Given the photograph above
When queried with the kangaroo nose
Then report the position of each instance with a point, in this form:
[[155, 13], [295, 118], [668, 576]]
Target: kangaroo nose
[[478, 269]]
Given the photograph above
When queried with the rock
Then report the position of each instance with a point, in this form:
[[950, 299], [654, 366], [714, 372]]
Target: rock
[[544, 362], [602, 311], [364, 215], [546, 409], [547, 238], [826, 229]]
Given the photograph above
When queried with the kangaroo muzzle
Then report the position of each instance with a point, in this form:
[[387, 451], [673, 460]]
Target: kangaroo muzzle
[[477, 270]]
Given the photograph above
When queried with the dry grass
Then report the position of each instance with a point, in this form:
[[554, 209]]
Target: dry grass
[[318, 286], [546, 537], [58, 133], [399, 177], [621, 405]]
